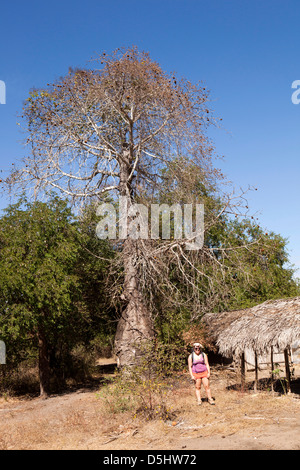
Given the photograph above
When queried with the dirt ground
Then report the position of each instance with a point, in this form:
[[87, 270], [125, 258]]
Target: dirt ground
[[79, 420]]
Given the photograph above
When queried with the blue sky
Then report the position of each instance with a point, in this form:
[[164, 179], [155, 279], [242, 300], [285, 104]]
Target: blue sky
[[245, 51]]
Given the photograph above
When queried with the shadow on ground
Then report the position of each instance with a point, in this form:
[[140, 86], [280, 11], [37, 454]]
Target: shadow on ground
[[265, 384]]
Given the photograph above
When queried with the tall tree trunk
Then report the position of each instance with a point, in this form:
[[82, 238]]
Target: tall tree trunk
[[135, 324], [44, 364]]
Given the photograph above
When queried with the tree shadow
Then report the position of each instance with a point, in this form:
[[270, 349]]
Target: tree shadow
[[265, 385], [27, 387]]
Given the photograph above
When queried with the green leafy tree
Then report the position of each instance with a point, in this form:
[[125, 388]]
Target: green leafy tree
[[95, 257], [265, 273], [40, 294]]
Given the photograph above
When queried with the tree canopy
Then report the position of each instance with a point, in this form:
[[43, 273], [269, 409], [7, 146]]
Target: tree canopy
[[47, 276]]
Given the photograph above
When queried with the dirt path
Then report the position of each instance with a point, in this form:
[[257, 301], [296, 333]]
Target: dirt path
[[281, 435], [79, 421]]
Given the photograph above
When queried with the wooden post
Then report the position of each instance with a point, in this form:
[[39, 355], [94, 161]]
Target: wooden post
[[256, 372], [243, 372], [272, 369], [287, 370]]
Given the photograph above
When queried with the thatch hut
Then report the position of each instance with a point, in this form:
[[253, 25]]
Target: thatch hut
[[274, 324]]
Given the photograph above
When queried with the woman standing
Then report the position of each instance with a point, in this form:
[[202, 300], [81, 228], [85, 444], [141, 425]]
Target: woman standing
[[200, 372]]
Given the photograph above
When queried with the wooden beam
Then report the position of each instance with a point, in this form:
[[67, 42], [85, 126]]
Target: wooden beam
[[243, 371], [287, 370], [272, 369], [256, 372]]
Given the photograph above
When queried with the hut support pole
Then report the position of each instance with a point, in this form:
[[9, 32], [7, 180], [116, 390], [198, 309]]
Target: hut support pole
[[243, 371], [272, 370], [287, 370], [256, 372]]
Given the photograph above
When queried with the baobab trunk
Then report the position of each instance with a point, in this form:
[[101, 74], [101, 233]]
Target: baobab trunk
[[135, 324]]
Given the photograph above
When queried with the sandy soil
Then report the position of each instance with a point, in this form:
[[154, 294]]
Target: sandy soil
[[79, 420]]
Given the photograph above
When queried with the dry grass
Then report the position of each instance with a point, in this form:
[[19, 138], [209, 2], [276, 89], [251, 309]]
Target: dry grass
[[82, 420]]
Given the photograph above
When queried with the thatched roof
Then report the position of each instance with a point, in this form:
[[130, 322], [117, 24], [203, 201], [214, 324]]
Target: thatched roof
[[274, 323]]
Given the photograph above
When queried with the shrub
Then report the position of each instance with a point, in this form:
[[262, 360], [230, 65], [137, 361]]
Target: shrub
[[144, 388]]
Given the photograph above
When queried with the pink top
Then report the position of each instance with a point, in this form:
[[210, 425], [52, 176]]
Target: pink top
[[198, 363]]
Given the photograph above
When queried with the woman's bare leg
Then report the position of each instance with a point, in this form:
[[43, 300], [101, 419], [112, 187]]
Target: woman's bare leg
[[206, 387], [198, 390]]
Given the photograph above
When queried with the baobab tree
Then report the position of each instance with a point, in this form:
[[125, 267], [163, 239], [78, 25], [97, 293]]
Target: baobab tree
[[125, 128]]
